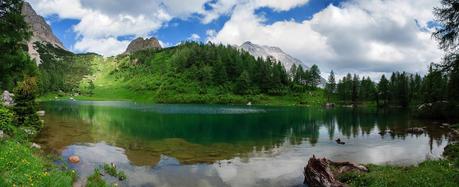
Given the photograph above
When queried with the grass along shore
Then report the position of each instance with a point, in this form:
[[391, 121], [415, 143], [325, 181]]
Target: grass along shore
[[312, 98], [443, 172]]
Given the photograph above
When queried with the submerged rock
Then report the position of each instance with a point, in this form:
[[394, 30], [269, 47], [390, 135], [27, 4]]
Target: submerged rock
[[74, 159], [321, 172]]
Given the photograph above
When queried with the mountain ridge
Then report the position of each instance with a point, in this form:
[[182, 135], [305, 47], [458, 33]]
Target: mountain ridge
[[41, 32], [265, 51], [140, 43]]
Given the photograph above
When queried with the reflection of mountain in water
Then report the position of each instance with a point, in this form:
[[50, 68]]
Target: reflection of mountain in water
[[206, 133]]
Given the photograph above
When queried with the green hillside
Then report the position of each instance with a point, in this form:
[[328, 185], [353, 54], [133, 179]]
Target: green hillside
[[189, 73]]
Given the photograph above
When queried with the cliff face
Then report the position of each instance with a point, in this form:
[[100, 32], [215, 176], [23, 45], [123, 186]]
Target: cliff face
[[141, 44], [41, 31], [275, 52]]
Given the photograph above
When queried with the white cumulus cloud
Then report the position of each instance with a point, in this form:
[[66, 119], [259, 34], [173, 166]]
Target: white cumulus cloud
[[358, 36]]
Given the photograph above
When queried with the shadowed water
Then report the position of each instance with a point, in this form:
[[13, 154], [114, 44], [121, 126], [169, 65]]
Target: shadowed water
[[225, 145]]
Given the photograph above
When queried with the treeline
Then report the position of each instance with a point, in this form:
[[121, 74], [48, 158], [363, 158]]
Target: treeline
[[400, 89], [239, 72]]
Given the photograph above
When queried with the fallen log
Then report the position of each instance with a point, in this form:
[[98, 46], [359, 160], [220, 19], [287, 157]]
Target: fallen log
[[321, 172]]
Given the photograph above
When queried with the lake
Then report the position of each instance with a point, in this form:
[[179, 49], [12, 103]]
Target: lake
[[227, 145]]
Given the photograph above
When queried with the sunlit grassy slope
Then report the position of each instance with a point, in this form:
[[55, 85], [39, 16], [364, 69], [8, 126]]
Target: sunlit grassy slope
[[153, 76]]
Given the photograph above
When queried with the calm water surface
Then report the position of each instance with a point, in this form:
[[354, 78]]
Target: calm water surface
[[226, 145]]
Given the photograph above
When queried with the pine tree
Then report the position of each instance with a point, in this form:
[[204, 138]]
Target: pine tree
[[433, 86], [331, 85], [243, 83], [355, 88], [314, 76], [219, 75], [26, 107], [383, 91]]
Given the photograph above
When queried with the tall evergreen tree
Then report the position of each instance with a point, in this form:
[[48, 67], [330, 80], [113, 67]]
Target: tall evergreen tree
[[243, 83], [331, 85], [355, 88], [433, 86], [383, 91], [448, 36], [314, 76], [15, 63]]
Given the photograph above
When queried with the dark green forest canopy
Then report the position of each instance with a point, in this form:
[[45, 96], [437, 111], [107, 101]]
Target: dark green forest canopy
[[209, 67]]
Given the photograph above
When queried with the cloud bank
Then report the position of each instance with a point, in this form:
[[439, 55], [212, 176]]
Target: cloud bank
[[359, 36]]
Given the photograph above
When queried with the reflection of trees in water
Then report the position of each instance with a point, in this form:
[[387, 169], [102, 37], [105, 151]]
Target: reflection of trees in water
[[265, 129]]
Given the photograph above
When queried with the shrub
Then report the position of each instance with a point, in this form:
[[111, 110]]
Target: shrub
[[6, 120], [26, 107]]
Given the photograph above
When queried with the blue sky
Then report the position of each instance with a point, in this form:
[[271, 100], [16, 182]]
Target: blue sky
[[357, 36]]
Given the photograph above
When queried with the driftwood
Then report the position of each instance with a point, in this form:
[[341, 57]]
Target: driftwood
[[321, 172]]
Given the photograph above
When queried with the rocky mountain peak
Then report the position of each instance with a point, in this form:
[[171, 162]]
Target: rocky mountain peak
[[41, 32], [264, 52], [141, 44], [40, 29]]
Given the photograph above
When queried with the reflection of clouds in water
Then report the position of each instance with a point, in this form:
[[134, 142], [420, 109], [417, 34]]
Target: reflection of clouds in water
[[278, 166], [284, 167], [168, 172]]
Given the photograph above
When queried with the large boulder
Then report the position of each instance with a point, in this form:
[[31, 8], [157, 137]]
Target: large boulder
[[7, 98], [141, 44], [437, 110], [321, 172]]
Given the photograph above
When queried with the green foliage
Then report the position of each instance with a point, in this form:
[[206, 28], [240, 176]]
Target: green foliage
[[398, 89], [383, 91], [64, 71], [19, 166], [96, 180], [15, 64], [448, 33], [330, 87], [25, 107], [6, 120], [401, 90], [189, 73], [451, 151], [111, 170], [428, 173]]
